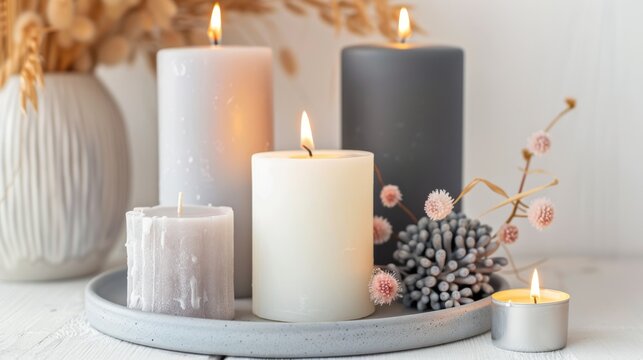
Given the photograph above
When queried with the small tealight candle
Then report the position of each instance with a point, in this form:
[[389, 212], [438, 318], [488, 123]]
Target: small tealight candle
[[180, 261], [530, 320]]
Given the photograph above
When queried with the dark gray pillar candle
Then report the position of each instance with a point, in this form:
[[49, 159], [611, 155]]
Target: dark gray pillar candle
[[404, 103]]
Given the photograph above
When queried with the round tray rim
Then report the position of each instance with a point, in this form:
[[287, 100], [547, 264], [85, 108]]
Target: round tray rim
[[293, 339]]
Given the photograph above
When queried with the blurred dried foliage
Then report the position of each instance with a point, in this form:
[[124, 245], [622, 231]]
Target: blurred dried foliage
[[39, 36]]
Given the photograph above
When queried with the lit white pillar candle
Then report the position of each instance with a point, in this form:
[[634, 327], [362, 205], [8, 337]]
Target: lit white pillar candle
[[181, 263], [215, 111], [312, 233], [530, 320]]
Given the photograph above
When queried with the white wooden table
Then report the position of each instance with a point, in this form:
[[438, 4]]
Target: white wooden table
[[47, 321]]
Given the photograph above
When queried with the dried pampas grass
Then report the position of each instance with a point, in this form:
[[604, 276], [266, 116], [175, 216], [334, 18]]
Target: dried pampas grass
[[84, 63], [64, 39], [162, 12], [82, 29], [138, 23], [76, 35], [113, 50], [84, 7], [31, 73], [60, 13], [112, 2], [27, 20], [172, 39]]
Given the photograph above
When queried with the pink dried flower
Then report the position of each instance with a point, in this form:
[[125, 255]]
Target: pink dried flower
[[541, 213], [384, 287], [539, 143], [508, 233], [382, 230], [438, 205], [390, 196]]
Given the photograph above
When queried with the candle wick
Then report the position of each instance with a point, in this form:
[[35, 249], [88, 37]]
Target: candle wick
[[310, 153], [403, 40], [179, 206], [214, 41], [535, 300]]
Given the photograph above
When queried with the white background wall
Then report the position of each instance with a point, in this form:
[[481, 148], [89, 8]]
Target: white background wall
[[522, 58]]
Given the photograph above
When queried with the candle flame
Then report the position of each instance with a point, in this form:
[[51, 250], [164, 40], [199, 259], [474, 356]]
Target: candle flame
[[404, 25], [535, 287], [215, 30], [306, 134]]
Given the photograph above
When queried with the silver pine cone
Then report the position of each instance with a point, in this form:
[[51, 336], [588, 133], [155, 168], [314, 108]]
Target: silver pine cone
[[446, 263]]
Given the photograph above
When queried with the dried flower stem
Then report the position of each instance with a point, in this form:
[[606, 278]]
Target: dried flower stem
[[407, 211], [528, 157], [557, 118], [378, 175], [518, 206]]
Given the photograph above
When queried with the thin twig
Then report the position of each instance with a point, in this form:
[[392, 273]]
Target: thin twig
[[557, 118], [407, 211], [378, 174], [521, 187]]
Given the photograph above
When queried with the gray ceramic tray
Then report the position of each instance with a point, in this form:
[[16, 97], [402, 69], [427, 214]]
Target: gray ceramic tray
[[392, 328]]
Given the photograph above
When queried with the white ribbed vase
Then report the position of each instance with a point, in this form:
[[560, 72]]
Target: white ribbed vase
[[64, 179]]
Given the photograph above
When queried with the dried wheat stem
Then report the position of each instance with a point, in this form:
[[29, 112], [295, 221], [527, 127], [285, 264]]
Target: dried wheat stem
[[31, 73]]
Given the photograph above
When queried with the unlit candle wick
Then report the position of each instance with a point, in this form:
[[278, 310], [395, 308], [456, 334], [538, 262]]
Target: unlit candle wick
[[179, 206]]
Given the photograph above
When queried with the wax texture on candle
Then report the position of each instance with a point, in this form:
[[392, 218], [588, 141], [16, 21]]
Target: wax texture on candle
[[215, 111], [312, 235], [181, 265]]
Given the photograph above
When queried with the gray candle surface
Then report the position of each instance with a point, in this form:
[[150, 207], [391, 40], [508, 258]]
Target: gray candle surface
[[404, 103]]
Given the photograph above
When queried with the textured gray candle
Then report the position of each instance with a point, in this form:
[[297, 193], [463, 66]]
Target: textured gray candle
[[404, 103]]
